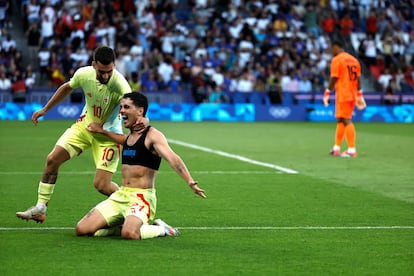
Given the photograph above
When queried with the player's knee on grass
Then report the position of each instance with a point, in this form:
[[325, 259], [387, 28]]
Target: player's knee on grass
[[82, 230], [131, 229]]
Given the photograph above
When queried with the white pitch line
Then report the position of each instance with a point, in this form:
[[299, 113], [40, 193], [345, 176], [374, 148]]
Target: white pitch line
[[392, 227], [234, 156], [161, 172]]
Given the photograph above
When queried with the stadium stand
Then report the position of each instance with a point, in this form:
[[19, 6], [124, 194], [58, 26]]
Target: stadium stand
[[258, 37]]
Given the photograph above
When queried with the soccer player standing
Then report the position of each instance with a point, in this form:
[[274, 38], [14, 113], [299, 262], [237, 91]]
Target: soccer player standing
[[104, 88], [345, 78]]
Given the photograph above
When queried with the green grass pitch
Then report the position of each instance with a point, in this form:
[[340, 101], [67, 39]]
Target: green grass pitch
[[333, 216]]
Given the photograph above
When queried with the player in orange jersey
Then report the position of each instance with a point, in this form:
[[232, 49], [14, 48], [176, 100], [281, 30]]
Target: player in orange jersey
[[345, 78]]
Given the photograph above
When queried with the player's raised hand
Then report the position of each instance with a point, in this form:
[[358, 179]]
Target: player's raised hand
[[37, 115]]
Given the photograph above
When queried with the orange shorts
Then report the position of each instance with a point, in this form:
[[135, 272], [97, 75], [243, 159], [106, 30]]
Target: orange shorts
[[344, 109]]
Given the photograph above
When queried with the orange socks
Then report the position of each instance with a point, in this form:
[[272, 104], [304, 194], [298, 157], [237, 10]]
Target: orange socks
[[350, 135], [339, 134]]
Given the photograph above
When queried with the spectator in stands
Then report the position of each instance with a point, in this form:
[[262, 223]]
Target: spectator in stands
[[19, 88], [409, 50], [245, 50], [77, 38], [138, 50], [167, 44], [292, 84], [371, 23], [165, 71], [305, 85], [43, 58], [197, 67], [47, 32], [245, 82], [201, 51], [33, 41], [235, 27], [346, 25], [29, 77], [132, 63], [5, 82], [263, 21], [198, 88], [328, 24], [216, 94], [190, 43], [4, 6], [370, 50], [208, 70], [120, 62], [48, 10], [218, 77], [390, 91], [174, 83], [311, 20], [16, 60], [135, 82], [273, 87], [8, 45], [80, 57], [280, 24], [385, 78], [185, 75], [398, 47], [149, 83], [32, 11], [55, 71]]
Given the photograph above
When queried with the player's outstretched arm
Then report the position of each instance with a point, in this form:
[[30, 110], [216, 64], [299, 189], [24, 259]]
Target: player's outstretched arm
[[61, 93], [164, 150]]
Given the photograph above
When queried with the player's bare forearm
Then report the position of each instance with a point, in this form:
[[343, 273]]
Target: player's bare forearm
[[179, 166], [61, 93], [98, 128], [117, 138]]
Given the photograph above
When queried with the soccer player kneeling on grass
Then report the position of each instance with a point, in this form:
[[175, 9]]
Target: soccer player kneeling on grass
[[130, 211]]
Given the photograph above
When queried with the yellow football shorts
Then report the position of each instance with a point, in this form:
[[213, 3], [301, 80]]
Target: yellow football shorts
[[129, 202], [105, 152]]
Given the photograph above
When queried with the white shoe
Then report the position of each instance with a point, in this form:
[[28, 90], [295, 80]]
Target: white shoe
[[33, 213], [168, 230]]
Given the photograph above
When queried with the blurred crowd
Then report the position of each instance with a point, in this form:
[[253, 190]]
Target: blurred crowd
[[211, 47]]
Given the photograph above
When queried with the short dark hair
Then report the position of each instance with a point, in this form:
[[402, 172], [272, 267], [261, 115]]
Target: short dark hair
[[338, 43], [104, 55], [139, 100]]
